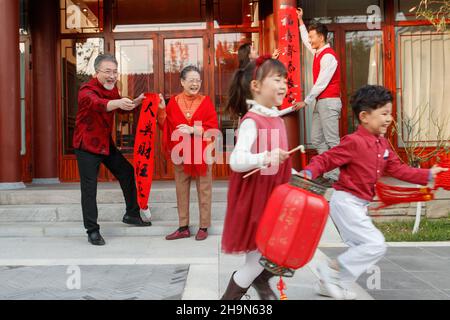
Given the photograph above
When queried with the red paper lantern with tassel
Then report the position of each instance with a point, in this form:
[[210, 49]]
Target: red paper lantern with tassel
[[291, 226]]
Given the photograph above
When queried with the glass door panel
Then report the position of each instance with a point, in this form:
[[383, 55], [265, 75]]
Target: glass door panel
[[364, 65], [226, 63], [136, 76], [179, 53]]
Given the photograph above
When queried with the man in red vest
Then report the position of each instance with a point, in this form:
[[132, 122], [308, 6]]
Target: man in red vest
[[325, 95], [98, 99]]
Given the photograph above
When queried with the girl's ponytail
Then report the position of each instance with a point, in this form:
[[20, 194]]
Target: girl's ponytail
[[238, 93]]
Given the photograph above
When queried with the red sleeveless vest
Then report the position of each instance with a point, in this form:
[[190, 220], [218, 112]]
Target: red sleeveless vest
[[334, 88]]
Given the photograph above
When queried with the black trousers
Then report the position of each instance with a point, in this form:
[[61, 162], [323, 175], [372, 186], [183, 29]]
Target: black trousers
[[88, 167]]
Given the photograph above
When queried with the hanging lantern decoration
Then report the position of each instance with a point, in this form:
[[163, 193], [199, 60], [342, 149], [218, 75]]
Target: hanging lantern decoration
[[291, 227]]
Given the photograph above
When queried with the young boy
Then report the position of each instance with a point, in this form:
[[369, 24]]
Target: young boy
[[363, 157]]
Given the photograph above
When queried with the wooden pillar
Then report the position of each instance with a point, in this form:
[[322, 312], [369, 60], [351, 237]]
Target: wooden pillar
[[292, 121], [10, 159], [44, 28]]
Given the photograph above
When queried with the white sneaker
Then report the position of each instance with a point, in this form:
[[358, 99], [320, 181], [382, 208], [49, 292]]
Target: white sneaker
[[329, 284], [346, 294], [146, 215]]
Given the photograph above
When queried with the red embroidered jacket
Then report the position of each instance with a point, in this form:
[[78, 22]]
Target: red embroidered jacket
[[93, 125]]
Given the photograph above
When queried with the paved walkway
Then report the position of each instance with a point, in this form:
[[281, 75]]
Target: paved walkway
[[408, 271], [209, 269]]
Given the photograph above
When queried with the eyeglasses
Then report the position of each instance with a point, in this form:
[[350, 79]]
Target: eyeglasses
[[110, 72], [192, 81]]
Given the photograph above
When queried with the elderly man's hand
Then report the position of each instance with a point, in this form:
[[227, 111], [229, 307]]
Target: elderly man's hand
[[125, 104]]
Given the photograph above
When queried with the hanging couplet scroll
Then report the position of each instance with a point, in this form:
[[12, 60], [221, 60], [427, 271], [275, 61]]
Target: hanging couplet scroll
[[289, 45], [144, 153]]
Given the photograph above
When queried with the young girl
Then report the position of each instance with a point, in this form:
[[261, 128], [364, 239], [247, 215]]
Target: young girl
[[262, 140]]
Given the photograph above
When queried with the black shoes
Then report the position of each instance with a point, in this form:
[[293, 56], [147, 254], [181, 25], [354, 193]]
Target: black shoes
[[135, 221], [96, 238]]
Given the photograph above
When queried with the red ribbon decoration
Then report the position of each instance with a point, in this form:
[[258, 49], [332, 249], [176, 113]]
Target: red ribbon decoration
[[390, 195], [289, 45], [144, 153]]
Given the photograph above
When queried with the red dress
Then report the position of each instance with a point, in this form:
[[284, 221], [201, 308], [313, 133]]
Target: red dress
[[205, 114], [247, 198]]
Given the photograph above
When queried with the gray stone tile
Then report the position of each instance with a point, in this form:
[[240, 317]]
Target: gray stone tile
[[443, 252], [416, 294], [421, 263], [394, 281], [440, 280], [407, 252], [105, 282]]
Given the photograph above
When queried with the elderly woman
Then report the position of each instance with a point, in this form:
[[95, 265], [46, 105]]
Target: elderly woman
[[189, 115]]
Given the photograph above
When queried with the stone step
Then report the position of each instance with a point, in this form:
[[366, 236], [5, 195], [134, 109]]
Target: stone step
[[108, 229], [106, 194], [106, 212]]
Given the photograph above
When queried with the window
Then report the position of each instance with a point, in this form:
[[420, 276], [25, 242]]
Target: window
[[157, 15], [78, 56], [423, 81], [225, 65], [364, 61], [236, 13], [404, 12], [339, 11], [81, 16], [136, 76]]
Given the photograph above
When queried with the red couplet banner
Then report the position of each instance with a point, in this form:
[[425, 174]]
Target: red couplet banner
[[289, 45], [144, 154]]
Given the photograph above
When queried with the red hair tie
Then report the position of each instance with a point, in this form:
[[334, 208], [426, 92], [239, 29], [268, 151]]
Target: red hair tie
[[259, 62]]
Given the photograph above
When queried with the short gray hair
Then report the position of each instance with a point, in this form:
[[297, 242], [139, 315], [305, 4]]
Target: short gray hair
[[187, 69], [104, 57]]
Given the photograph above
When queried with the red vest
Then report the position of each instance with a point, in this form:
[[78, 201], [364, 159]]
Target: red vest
[[334, 89]]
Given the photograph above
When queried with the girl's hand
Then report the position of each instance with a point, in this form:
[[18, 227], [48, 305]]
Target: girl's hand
[[184, 128], [435, 170], [162, 102], [298, 105], [276, 53], [277, 156]]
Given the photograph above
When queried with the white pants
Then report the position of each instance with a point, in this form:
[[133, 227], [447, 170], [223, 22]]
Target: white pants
[[366, 242]]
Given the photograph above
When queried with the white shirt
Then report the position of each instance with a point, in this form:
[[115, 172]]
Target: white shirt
[[242, 159], [328, 66]]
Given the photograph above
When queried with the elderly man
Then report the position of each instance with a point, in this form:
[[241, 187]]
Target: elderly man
[[97, 101]]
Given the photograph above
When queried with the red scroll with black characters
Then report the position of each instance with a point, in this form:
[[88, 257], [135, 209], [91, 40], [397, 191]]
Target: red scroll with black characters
[[144, 153], [289, 45]]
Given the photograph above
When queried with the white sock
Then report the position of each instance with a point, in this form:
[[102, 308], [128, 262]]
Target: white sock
[[249, 271]]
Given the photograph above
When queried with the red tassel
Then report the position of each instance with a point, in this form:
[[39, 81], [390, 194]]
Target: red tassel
[[281, 286], [390, 195]]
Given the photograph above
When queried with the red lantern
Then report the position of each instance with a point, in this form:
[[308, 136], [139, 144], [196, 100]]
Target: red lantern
[[291, 226]]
